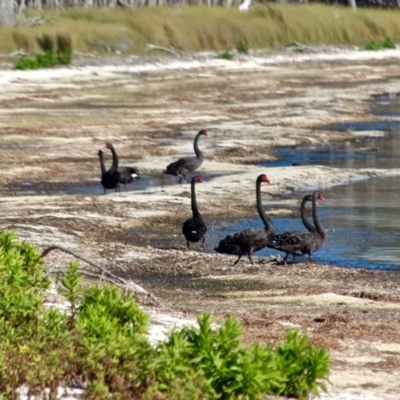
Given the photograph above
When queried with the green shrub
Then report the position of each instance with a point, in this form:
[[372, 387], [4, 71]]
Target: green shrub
[[304, 368], [101, 341], [46, 60], [26, 63], [50, 57], [227, 55], [243, 48], [388, 44], [64, 49], [372, 45]]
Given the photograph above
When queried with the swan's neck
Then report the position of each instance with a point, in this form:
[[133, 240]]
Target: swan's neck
[[318, 226], [199, 154], [267, 222], [195, 210], [309, 226], [102, 166], [114, 165]]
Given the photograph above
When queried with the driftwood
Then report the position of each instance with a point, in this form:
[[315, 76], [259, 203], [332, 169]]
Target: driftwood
[[140, 293], [104, 271], [299, 46], [168, 49]]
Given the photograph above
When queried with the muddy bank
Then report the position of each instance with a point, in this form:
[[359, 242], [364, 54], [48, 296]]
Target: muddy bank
[[53, 122]]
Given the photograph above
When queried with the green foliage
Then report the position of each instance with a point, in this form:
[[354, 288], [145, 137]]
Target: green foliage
[[243, 48], [227, 55], [50, 57], [101, 341], [305, 369], [64, 49], [373, 45], [27, 63], [388, 43]]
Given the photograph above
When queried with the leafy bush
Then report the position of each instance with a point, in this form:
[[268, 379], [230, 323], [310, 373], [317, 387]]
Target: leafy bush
[[305, 368], [372, 45], [227, 55], [388, 43], [50, 57], [101, 343], [64, 49], [243, 48]]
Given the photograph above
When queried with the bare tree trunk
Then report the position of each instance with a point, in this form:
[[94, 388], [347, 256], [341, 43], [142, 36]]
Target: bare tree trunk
[[352, 4], [7, 17]]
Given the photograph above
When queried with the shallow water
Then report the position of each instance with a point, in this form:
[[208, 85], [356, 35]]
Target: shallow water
[[362, 218], [362, 231], [95, 189]]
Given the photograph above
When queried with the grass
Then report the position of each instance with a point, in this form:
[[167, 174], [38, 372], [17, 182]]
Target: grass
[[201, 28]]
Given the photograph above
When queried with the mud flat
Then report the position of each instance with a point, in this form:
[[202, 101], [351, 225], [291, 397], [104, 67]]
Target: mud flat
[[53, 122]]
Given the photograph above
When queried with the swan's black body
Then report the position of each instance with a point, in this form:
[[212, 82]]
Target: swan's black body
[[298, 243], [128, 175], [125, 174], [187, 165], [250, 240], [194, 229], [109, 179]]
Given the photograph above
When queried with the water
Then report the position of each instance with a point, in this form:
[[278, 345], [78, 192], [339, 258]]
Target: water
[[362, 231], [362, 218], [95, 189]]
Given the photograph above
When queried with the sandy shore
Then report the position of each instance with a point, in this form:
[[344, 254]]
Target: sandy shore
[[53, 122]]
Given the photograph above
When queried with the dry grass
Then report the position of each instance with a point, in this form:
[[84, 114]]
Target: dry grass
[[201, 28]]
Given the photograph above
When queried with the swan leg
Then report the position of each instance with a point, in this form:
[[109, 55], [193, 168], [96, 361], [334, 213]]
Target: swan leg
[[286, 257], [238, 259], [204, 239], [251, 260], [182, 178], [188, 244], [310, 260]]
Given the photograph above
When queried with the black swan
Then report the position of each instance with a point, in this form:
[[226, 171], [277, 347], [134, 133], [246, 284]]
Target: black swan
[[187, 165], [298, 243], [194, 228], [249, 240], [126, 174], [109, 179], [308, 197]]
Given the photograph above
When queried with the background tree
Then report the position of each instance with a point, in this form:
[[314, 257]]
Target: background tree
[[7, 13]]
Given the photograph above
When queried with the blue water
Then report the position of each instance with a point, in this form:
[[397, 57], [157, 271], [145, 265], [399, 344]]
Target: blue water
[[362, 218], [361, 232]]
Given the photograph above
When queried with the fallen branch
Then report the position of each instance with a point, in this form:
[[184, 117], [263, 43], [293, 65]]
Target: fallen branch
[[88, 274], [99, 267], [141, 294], [168, 49], [299, 46], [16, 53]]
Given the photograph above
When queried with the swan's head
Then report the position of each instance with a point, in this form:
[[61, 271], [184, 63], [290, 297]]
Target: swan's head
[[198, 179], [205, 133], [320, 196], [107, 145], [264, 178]]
